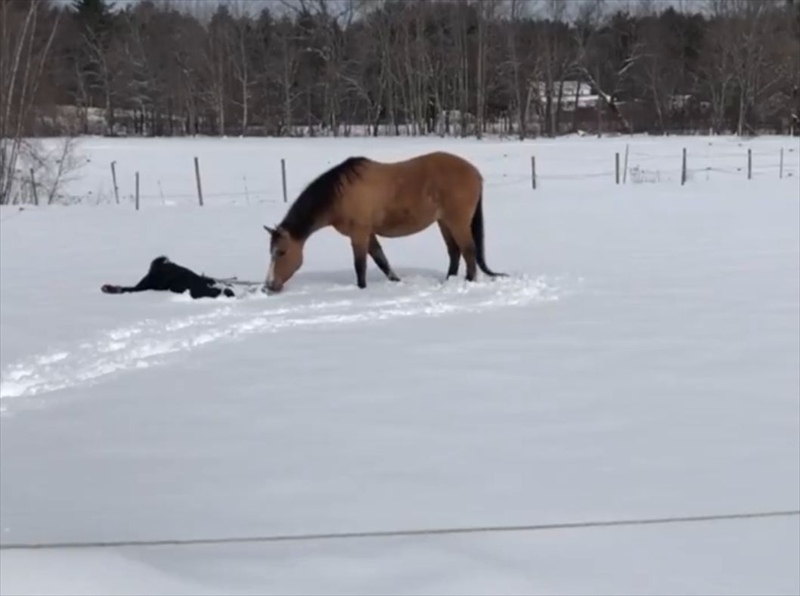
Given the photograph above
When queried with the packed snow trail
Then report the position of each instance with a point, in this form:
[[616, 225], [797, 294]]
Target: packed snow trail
[[150, 342]]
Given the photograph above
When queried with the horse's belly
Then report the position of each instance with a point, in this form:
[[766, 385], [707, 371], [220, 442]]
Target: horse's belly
[[401, 230], [404, 222]]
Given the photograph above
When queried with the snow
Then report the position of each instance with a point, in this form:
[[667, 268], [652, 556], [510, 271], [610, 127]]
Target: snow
[[641, 361]]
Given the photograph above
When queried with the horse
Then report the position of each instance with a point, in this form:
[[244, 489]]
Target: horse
[[362, 199]]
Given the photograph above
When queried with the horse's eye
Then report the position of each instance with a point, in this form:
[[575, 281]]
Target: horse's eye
[[280, 253]]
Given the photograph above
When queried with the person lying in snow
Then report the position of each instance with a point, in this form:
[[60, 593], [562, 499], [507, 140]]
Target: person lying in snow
[[164, 275]]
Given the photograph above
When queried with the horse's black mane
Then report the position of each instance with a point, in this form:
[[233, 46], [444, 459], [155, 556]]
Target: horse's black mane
[[319, 196]]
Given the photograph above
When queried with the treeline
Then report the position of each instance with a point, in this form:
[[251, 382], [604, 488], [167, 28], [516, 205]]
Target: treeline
[[451, 67]]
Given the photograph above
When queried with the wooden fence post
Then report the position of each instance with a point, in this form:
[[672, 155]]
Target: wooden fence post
[[780, 167], [533, 171], [114, 178], [625, 165], [749, 163], [137, 191], [33, 187], [683, 168], [197, 176], [283, 179], [616, 167]]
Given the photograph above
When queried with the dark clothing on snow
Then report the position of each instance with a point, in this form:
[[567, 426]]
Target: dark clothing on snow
[[164, 275]]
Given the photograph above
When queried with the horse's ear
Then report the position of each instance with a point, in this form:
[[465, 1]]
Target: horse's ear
[[270, 230]]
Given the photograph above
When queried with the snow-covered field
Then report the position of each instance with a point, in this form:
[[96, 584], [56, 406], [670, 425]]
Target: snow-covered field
[[642, 361]]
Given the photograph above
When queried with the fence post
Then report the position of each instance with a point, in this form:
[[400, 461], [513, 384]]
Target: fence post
[[283, 179], [780, 167], [749, 163], [683, 168], [533, 172], [35, 192], [616, 166], [197, 176], [114, 178], [625, 165], [137, 191]]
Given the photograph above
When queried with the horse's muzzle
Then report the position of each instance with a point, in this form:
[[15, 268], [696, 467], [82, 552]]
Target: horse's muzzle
[[271, 287]]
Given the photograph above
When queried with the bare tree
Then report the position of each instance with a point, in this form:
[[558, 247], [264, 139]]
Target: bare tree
[[285, 73], [559, 60], [241, 41], [717, 68], [660, 70], [605, 64], [761, 63], [22, 61], [217, 60]]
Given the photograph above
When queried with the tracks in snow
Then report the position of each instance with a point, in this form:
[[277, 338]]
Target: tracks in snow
[[152, 342]]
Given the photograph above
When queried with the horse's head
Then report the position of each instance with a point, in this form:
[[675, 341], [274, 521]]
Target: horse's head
[[286, 256]]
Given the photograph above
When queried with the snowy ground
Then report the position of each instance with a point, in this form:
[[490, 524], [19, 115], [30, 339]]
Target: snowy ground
[[640, 362]]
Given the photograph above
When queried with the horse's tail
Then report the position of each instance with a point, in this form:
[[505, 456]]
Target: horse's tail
[[477, 236]]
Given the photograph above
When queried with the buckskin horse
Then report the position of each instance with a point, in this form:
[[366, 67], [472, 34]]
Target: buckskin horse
[[363, 199]]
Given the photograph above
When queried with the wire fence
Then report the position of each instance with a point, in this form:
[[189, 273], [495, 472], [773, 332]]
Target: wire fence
[[641, 167], [546, 167], [581, 525]]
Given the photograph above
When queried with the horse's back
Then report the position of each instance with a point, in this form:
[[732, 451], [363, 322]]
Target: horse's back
[[439, 164], [437, 171]]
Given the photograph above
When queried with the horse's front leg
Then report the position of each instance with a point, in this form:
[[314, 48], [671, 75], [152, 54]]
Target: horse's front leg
[[376, 252], [360, 244]]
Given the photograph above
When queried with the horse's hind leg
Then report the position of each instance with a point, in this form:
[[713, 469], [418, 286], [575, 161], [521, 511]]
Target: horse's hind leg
[[452, 250], [376, 252], [462, 235]]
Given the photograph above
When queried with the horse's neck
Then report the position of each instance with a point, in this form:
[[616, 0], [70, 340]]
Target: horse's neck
[[323, 221]]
